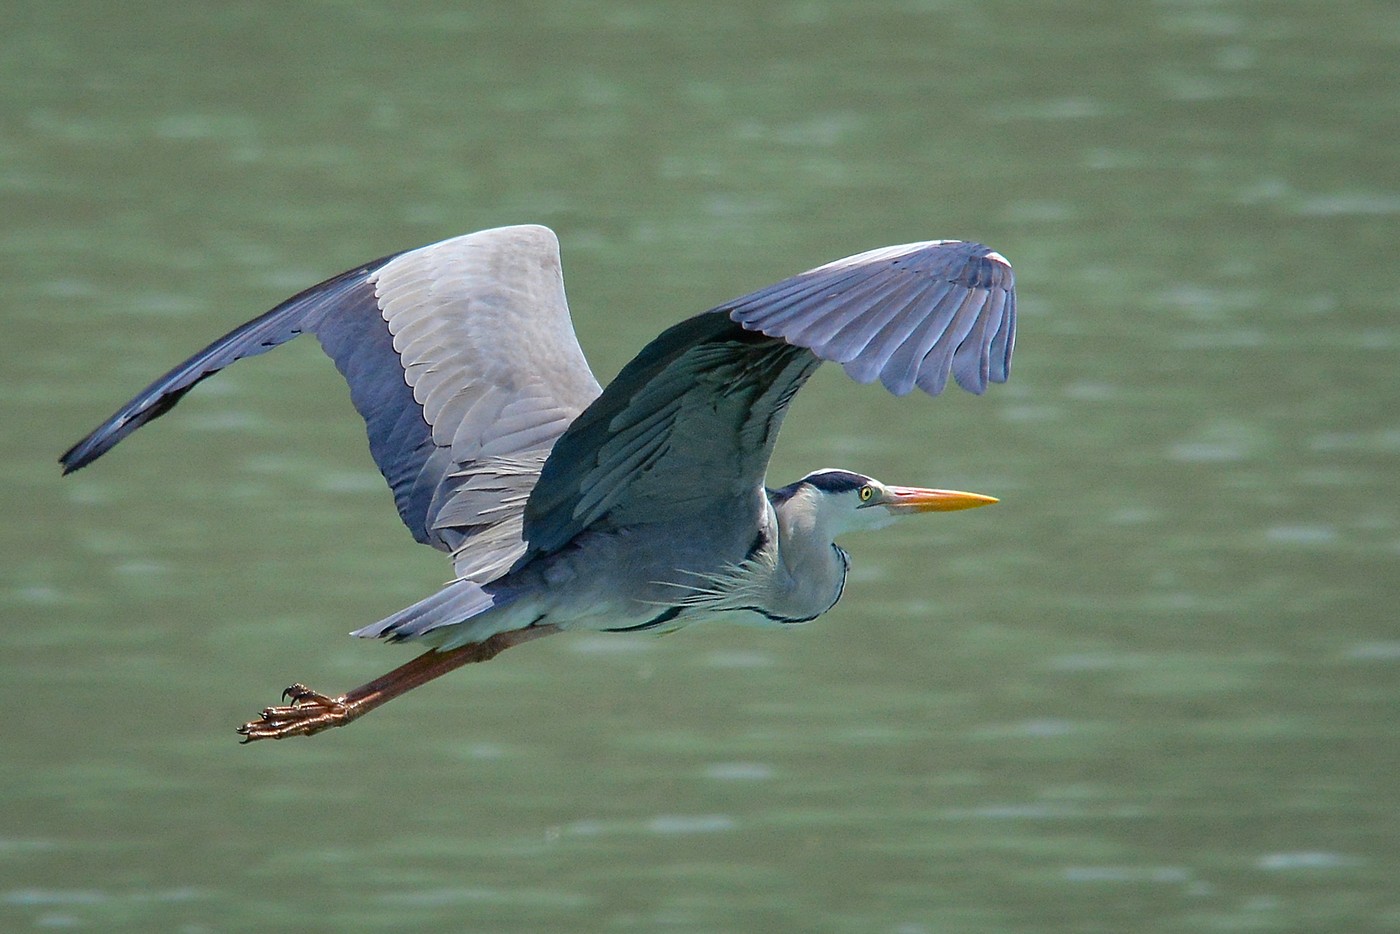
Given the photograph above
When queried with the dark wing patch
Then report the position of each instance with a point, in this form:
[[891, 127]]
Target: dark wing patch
[[343, 313], [298, 314], [684, 429]]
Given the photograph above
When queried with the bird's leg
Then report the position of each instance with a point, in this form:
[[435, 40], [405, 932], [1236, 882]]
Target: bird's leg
[[311, 711]]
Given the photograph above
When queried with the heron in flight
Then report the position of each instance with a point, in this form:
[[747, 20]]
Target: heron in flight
[[642, 506]]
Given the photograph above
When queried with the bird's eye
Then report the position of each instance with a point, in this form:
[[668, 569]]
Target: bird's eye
[[866, 492]]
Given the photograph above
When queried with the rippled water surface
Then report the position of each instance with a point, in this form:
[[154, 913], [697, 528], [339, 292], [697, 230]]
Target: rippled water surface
[[1155, 689]]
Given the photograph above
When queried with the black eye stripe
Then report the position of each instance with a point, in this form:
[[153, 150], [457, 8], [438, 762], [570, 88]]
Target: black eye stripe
[[827, 481], [836, 481]]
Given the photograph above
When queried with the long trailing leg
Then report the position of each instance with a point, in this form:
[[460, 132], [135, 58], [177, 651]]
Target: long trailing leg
[[311, 712]]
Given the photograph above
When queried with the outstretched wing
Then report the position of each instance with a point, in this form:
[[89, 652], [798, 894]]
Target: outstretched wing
[[463, 362], [691, 422], [907, 314]]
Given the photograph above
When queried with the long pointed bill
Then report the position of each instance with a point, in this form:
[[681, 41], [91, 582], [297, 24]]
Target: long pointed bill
[[906, 499]]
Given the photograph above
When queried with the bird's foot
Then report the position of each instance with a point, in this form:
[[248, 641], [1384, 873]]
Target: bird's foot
[[309, 712]]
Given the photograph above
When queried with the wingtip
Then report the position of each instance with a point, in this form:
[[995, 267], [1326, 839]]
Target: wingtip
[[70, 461], [81, 454]]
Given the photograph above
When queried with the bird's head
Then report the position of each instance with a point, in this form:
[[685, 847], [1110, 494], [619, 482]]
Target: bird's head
[[843, 501]]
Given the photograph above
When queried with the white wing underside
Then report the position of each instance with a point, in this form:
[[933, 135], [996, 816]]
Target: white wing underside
[[482, 330]]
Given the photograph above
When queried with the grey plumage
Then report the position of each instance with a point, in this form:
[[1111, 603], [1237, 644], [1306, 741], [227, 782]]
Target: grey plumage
[[636, 506]]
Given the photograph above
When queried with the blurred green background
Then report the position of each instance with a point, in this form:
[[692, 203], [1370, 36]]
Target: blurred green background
[[1155, 689]]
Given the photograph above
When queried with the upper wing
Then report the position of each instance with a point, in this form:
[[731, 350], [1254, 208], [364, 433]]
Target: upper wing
[[462, 360], [691, 421], [687, 425]]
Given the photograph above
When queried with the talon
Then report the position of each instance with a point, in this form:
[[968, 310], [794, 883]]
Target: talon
[[299, 692], [309, 712]]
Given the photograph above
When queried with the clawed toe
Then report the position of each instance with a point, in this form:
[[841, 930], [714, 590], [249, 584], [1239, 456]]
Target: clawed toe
[[309, 712], [299, 694]]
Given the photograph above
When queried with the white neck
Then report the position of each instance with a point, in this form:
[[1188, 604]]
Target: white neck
[[810, 570]]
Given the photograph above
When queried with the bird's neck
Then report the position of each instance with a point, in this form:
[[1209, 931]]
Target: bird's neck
[[810, 570]]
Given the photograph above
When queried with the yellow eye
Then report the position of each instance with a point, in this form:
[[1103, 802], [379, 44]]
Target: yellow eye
[[866, 492]]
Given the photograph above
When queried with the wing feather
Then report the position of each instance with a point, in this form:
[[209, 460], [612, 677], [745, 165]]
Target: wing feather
[[933, 370], [866, 367], [849, 339], [809, 308], [972, 359], [831, 331]]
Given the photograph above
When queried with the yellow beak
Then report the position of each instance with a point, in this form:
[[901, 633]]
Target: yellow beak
[[902, 499]]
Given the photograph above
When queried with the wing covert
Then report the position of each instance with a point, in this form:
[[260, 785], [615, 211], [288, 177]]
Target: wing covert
[[687, 426], [482, 332]]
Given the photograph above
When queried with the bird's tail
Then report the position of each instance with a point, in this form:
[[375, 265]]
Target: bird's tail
[[452, 606]]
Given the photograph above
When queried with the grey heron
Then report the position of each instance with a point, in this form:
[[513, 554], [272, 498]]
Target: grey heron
[[642, 506]]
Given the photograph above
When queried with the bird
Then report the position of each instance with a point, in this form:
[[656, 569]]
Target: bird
[[640, 507]]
